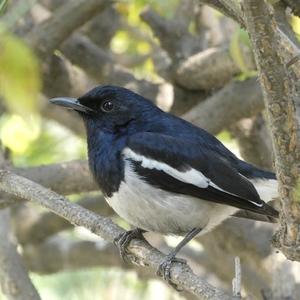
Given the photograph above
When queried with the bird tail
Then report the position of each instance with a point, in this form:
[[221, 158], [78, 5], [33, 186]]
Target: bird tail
[[266, 188], [265, 182], [245, 214]]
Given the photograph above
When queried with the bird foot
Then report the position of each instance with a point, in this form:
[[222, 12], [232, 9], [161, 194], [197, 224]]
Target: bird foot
[[123, 240], [164, 269]]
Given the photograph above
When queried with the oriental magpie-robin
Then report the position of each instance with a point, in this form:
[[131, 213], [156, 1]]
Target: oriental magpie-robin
[[163, 174]]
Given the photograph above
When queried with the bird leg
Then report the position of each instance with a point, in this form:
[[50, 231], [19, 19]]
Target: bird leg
[[164, 269], [123, 240]]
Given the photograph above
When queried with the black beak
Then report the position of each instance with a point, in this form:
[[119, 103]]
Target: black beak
[[72, 103]]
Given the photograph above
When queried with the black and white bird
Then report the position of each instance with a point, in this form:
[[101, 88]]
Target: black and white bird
[[163, 174]]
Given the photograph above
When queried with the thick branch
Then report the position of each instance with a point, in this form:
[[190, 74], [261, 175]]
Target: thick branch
[[209, 69], [15, 282], [65, 178], [279, 96], [142, 252], [60, 254], [235, 101], [254, 141]]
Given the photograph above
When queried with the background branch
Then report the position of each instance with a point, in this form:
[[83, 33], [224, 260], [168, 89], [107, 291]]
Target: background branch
[[46, 37], [15, 282], [33, 227], [235, 101]]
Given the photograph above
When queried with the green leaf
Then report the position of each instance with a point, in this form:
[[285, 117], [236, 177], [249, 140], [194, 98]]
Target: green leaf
[[239, 40], [20, 80], [236, 52], [297, 191], [295, 23], [3, 5]]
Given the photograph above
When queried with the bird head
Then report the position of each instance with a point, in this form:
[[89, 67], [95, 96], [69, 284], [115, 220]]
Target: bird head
[[108, 106]]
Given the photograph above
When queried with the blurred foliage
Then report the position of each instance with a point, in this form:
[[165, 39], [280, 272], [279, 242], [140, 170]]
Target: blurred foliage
[[20, 84], [126, 42], [297, 191], [3, 5], [17, 134], [239, 44], [229, 141], [132, 9], [102, 283], [35, 142], [20, 80], [295, 22]]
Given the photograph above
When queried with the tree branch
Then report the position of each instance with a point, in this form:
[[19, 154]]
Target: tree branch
[[142, 252], [209, 69], [286, 44], [98, 64], [60, 254], [235, 101], [33, 227], [15, 282], [48, 35], [173, 35], [64, 178], [279, 96], [254, 141], [229, 8], [294, 5]]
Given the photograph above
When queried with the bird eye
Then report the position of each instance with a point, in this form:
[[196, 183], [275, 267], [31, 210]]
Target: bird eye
[[107, 106]]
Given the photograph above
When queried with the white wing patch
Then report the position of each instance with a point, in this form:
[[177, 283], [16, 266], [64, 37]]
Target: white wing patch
[[190, 176]]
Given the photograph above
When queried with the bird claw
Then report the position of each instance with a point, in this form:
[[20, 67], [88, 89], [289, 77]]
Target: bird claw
[[164, 269], [124, 239]]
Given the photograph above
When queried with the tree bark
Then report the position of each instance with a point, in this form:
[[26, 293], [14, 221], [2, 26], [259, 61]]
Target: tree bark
[[279, 95]]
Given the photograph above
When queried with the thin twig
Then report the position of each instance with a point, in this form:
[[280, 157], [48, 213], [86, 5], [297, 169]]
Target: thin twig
[[237, 280]]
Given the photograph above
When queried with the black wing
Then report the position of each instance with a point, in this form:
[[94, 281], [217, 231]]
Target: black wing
[[179, 165]]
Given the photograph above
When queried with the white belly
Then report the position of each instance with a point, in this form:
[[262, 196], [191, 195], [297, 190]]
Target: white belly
[[153, 209]]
